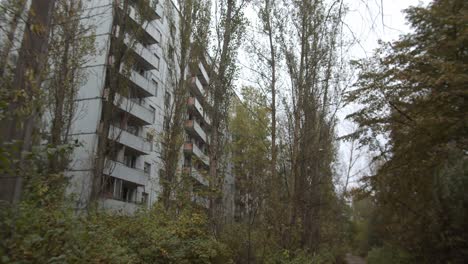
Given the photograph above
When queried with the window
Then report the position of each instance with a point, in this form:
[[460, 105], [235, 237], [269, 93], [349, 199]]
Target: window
[[117, 189], [129, 191], [166, 124], [147, 168], [187, 161], [144, 198], [155, 83], [157, 61], [133, 130], [167, 100], [108, 183], [130, 161], [120, 190], [171, 52]]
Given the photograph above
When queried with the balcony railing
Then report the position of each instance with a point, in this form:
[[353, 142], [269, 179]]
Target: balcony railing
[[157, 8], [151, 33], [193, 149], [135, 108], [121, 171], [196, 86], [145, 84], [194, 104], [154, 6], [204, 78], [139, 144], [118, 206], [196, 175], [149, 57], [193, 127]]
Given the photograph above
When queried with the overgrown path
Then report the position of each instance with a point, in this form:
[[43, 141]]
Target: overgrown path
[[350, 259]]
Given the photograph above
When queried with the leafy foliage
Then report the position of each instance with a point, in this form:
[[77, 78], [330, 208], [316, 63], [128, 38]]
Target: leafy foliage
[[55, 234], [414, 93], [388, 255]]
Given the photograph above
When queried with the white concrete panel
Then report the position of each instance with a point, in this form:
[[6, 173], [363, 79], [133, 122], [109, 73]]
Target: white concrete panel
[[87, 116]]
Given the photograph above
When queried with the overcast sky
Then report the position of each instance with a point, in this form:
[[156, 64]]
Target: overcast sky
[[365, 20]]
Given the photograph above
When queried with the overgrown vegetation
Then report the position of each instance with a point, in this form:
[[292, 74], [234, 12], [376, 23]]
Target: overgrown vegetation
[[412, 208], [50, 232], [413, 93]]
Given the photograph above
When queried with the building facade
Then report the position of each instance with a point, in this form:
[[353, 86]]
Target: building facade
[[139, 117], [140, 112]]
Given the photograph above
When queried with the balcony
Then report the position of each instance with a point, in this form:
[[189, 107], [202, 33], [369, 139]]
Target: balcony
[[151, 34], [195, 106], [117, 206], [194, 128], [144, 115], [196, 86], [138, 144], [191, 148], [149, 57], [145, 86], [154, 6], [204, 78], [121, 171], [157, 9], [196, 175]]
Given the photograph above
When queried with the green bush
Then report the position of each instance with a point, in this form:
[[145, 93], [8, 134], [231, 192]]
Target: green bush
[[32, 234], [388, 255], [302, 257], [47, 234], [156, 237]]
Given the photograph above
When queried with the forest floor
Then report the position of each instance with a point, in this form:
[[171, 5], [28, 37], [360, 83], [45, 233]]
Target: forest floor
[[351, 259]]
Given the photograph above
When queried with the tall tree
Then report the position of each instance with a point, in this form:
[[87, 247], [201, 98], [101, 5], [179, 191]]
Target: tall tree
[[229, 29], [71, 45], [413, 93], [186, 47], [12, 12], [23, 105], [271, 25], [249, 129], [309, 48]]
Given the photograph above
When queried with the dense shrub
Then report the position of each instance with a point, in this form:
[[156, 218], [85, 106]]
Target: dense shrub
[[388, 255], [33, 234], [156, 237], [41, 234]]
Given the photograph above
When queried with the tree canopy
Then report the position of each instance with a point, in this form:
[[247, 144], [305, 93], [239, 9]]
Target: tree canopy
[[413, 94]]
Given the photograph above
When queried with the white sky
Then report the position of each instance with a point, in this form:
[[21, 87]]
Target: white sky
[[365, 20]]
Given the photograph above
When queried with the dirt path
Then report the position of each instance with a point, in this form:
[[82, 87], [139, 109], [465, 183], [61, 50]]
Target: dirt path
[[350, 259]]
